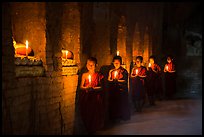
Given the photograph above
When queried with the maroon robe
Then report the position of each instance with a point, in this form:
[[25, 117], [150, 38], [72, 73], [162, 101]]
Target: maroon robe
[[118, 96], [170, 81], [138, 83], [154, 81], [91, 104]]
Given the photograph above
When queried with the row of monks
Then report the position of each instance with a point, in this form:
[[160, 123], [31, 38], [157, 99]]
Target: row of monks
[[143, 82]]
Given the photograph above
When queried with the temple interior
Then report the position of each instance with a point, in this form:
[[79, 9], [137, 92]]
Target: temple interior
[[46, 44]]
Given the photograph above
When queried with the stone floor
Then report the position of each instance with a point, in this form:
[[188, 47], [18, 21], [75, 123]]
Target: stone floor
[[168, 117]]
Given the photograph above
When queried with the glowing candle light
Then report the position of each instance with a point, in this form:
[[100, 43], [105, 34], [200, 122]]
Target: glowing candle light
[[66, 53], [115, 74], [149, 64], [167, 68], [136, 71], [117, 53], [26, 48], [89, 77]]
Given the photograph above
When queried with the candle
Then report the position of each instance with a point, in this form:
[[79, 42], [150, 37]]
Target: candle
[[115, 74], [26, 48], [136, 71], [149, 64], [167, 68], [117, 53], [66, 53], [89, 77]]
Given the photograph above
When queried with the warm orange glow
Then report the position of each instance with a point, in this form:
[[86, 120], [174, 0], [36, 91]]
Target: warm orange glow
[[149, 64], [117, 53], [136, 71], [89, 77], [26, 48], [67, 54], [20, 49], [115, 74], [167, 68], [14, 43]]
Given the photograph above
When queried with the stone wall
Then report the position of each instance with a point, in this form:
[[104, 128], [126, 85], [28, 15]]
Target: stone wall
[[46, 105], [35, 105], [29, 23]]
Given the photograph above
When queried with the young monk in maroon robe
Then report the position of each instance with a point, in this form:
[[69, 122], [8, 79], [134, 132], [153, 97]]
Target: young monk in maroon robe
[[118, 92], [170, 78], [91, 103], [138, 75], [154, 82]]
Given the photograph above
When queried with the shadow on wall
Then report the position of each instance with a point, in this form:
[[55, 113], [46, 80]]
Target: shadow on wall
[[193, 43]]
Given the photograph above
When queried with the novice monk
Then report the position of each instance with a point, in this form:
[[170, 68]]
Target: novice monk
[[138, 76], [118, 92], [91, 103], [154, 83], [170, 78]]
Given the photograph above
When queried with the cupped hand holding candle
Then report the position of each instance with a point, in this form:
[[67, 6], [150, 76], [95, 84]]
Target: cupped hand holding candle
[[115, 74], [89, 77], [167, 68], [136, 71], [149, 65]]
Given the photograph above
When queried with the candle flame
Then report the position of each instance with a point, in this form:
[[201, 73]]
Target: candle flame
[[136, 71], [14, 43], [116, 73], [89, 78], [117, 53], [166, 67], [26, 44], [66, 53], [149, 64]]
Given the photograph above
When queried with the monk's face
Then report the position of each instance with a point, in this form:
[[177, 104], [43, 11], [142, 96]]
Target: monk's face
[[169, 60], [151, 61], [138, 63], [116, 63], [90, 65]]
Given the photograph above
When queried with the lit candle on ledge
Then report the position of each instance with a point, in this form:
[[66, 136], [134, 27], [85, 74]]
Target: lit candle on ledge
[[136, 71], [66, 53], [167, 68], [26, 48], [149, 64], [115, 74], [89, 77], [117, 53]]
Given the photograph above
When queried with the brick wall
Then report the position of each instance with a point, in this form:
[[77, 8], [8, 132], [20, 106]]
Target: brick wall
[[46, 105], [34, 105], [189, 76]]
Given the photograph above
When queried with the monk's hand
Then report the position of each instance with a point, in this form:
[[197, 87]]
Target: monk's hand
[[95, 88], [115, 80], [88, 87]]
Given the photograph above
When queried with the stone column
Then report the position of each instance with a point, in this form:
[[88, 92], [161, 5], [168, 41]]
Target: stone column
[[101, 38], [8, 73], [121, 39]]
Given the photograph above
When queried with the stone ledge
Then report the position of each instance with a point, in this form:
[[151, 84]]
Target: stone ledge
[[29, 71], [70, 70]]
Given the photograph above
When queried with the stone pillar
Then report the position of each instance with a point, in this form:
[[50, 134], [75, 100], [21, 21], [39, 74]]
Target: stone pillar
[[101, 38], [71, 29], [121, 39], [8, 73], [146, 47], [53, 35], [136, 42]]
